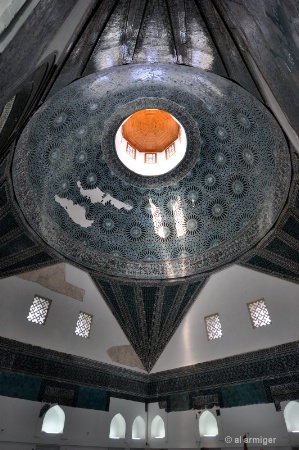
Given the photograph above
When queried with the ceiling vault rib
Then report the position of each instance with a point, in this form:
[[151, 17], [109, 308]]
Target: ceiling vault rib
[[157, 319], [167, 328], [106, 8], [144, 339], [141, 23], [235, 36], [134, 22], [128, 325], [210, 18], [176, 27]]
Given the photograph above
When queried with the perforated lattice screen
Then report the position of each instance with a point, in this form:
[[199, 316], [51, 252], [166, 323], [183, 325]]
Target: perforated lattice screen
[[150, 158], [259, 313], [213, 327], [39, 310], [170, 151], [131, 151], [83, 325]]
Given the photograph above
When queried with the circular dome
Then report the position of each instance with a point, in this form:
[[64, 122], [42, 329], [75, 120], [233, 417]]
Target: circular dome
[[151, 142], [218, 202]]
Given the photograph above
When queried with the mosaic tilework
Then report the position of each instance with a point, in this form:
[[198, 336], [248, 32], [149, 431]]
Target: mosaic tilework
[[205, 401], [244, 394], [49, 376], [263, 365], [17, 245], [59, 393], [267, 265], [238, 136], [19, 386], [149, 315], [19, 251], [93, 398], [68, 372], [179, 402], [287, 391], [279, 254]]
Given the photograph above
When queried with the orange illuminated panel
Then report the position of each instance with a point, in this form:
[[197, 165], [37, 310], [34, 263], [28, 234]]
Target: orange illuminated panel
[[151, 128], [131, 151], [150, 158], [170, 151]]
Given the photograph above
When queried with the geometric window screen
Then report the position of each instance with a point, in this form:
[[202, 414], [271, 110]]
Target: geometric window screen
[[170, 151], [150, 158], [39, 310], [131, 151], [83, 325], [213, 327], [259, 313]]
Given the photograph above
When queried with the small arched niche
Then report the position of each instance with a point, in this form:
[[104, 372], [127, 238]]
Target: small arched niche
[[157, 428], [291, 417], [207, 425], [138, 428], [117, 427], [54, 420]]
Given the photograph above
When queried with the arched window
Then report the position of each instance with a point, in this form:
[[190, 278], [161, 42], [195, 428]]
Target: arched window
[[138, 428], [117, 427], [158, 428], [208, 424], [291, 417], [54, 420]]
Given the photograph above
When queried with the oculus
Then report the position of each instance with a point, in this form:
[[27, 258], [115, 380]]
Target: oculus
[[151, 142]]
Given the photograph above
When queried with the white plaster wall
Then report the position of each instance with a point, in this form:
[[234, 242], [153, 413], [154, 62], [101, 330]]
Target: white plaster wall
[[58, 333], [20, 426], [227, 293], [88, 429], [182, 428]]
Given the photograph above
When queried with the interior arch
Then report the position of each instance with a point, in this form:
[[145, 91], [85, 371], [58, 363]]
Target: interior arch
[[54, 420], [208, 424], [291, 416], [158, 428], [117, 427], [138, 428]]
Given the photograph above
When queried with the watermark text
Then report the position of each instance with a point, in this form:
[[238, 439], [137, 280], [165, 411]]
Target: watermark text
[[250, 440]]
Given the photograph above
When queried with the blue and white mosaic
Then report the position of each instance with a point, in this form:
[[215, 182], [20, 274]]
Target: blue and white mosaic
[[188, 223]]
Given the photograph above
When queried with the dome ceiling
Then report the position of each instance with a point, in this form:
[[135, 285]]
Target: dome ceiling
[[189, 223]]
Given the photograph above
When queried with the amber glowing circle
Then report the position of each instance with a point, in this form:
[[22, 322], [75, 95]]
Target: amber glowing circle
[[151, 130], [151, 142]]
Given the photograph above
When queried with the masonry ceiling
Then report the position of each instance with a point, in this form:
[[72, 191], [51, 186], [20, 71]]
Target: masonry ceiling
[[150, 243]]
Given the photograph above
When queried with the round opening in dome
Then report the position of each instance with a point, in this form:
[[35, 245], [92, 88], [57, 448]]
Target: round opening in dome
[[151, 142]]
